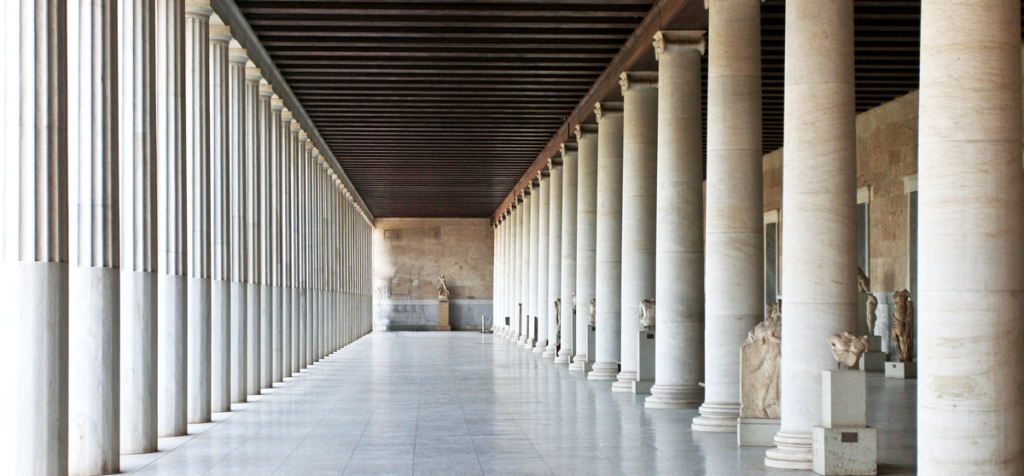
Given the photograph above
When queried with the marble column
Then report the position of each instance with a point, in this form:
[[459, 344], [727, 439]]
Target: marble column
[[554, 255], [535, 265], [94, 281], [172, 282], [524, 259], [639, 206], [34, 226], [239, 127], [586, 242], [679, 277], [292, 248], [970, 407], [258, 109], [819, 251], [137, 190], [608, 248], [220, 217], [567, 269], [269, 136], [304, 189], [515, 283], [510, 268], [734, 234], [283, 126], [197, 217], [540, 296]]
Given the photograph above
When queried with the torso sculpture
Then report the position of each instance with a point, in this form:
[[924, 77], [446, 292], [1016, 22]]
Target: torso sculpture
[[593, 311], [759, 380], [847, 348], [903, 325], [872, 306], [442, 287], [863, 283], [558, 316], [647, 312]]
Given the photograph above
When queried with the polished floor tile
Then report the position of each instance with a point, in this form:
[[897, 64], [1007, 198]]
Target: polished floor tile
[[437, 403]]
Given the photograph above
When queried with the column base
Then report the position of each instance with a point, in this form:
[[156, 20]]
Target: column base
[[792, 451], [676, 396], [551, 351], [624, 381], [563, 358], [581, 364], [540, 346], [717, 418], [604, 371]]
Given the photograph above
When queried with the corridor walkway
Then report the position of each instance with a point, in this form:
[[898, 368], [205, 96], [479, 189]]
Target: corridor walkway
[[466, 404]]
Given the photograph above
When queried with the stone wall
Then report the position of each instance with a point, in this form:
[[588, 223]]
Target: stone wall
[[886, 154], [409, 254]]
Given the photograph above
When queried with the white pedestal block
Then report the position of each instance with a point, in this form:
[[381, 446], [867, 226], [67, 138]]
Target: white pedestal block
[[442, 315], [844, 399], [844, 451], [901, 370], [874, 343], [872, 361], [644, 362], [757, 431]]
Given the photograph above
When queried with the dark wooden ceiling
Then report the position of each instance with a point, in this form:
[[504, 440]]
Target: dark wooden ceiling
[[438, 108]]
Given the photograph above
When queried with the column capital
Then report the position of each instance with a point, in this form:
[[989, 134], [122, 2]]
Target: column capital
[[237, 54], [276, 103], [309, 146], [198, 7], [583, 130], [286, 115], [252, 73], [296, 128], [219, 31], [303, 138], [637, 79], [677, 40], [568, 148], [603, 109]]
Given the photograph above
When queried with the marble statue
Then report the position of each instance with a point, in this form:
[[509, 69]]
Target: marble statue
[[863, 283], [558, 316], [759, 370], [442, 288], [773, 310], [574, 300], [593, 311], [872, 306], [647, 313], [903, 326], [847, 348]]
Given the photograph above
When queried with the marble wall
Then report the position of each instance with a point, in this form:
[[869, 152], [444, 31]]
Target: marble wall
[[409, 254]]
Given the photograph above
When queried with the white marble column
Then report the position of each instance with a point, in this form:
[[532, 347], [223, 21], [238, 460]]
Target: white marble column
[[524, 259], [679, 277], [270, 296], [34, 221], [515, 283], [639, 211], [554, 255], [305, 293], [510, 268], [540, 296], [197, 217], [734, 248], [567, 269], [257, 113], [172, 286], [586, 242], [239, 127], [277, 239], [94, 281], [819, 250], [970, 407], [608, 248], [220, 217], [137, 81], [295, 316]]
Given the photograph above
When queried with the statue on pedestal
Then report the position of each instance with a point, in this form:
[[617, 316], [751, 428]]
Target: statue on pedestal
[[647, 313], [759, 377], [442, 288], [593, 311], [558, 317], [903, 326], [872, 306], [847, 348]]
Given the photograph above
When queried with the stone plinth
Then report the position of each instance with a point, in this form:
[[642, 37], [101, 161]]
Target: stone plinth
[[645, 361], [901, 370], [442, 315], [844, 399], [844, 451]]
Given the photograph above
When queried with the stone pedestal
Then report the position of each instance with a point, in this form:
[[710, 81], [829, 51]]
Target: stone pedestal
[[442, 315], [644, 361], [843, 445], [586, 363], [757, 431], [901, 370]]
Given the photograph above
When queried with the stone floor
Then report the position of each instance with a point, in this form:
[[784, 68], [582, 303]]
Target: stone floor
[[435, 403]]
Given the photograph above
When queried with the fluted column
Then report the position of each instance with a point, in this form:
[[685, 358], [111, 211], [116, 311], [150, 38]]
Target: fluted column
[[510, 269], [540, 292], [608, 250], [586, 242], [734, 274], [679, 277], [34, 220], [172, 325], [138, 351], [292, 249], [819, 251], [220, 218], [970, 407], [529, 263], [639, 210], [239, 120], [305, 293], [567, 269], [257, 99], [283, 135], [94, 319], [524, 264], [197, 158], [515, 283], [554, 255], [270, 295]]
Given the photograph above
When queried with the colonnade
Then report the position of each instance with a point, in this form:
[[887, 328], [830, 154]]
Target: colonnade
[[173, 240], [637, 220]]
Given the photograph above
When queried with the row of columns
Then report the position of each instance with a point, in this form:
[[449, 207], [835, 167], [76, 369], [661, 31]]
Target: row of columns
[[173, 242], [637, 220]]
